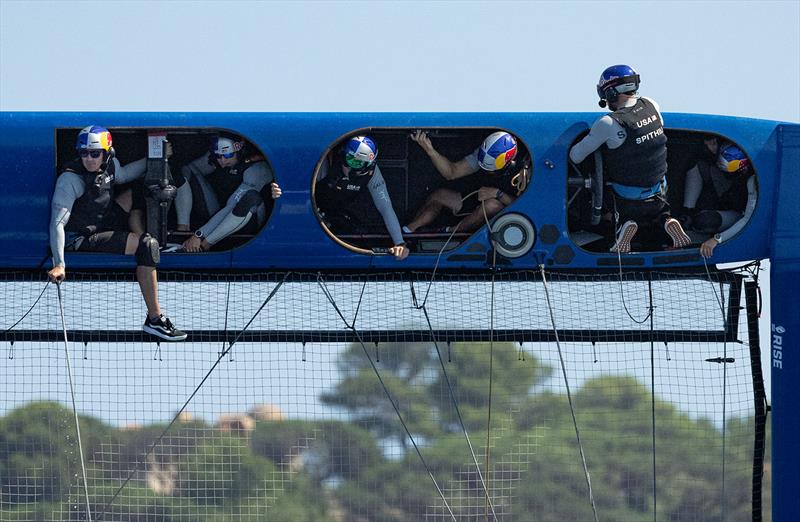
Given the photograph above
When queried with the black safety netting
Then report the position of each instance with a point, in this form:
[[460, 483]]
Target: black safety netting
[[383, 396]]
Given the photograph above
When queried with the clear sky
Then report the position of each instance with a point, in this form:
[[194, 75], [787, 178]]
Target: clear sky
[[735, 58]]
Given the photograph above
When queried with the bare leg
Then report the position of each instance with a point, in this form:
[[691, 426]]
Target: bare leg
[[438, 200], [476, 219], [125, 200], [148, 283], [147, 278], [136, 221]]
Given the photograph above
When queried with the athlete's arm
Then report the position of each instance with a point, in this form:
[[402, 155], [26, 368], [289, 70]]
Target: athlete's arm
[[448, 169], [69, 188], [752, 197], [605, 129], [129, 172], [380, 196]]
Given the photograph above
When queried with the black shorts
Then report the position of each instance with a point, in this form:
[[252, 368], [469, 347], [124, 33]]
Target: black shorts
[[111, 237]]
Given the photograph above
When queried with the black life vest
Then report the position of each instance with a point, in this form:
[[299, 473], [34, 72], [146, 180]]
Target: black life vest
[[91, 209], [641, 160], [338, 189], [225, 181]]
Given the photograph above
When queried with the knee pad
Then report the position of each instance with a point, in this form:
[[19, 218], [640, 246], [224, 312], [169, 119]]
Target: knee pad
[[148, 253], [707, 221], [250, 201]]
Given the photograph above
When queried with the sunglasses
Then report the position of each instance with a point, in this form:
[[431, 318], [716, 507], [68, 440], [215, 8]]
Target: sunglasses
[[228, 155], [92, 153]]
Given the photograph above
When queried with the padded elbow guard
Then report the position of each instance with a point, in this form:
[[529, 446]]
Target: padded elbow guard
[[147, 253]]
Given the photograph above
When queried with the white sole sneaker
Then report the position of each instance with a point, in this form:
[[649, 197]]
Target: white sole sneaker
[[167, 336], [675, 231], [624, 237]]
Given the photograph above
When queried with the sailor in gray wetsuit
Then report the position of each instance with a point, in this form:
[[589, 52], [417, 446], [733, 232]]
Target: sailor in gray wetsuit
[[344, 175], [226, 174], [719, 195], [634, 149], [87, 215]]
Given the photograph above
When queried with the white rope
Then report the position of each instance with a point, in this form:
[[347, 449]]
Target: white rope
[[74, 406], [569, 395]]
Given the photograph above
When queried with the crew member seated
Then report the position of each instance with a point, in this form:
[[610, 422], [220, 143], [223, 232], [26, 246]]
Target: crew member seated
[[634, 149], [89, 215], [719, 196], [226, 173], [343, 176], [499, 180]]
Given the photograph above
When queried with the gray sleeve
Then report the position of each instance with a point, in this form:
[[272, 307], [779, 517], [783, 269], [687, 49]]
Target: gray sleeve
[[258, 176], [693, 187], [604, 130], [752, 198], [129, 172], [255, 180], [198, 166], [69, 188], [377, 188], [183, 199]]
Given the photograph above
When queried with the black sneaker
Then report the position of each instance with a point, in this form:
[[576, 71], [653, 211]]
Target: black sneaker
[[162, 327]]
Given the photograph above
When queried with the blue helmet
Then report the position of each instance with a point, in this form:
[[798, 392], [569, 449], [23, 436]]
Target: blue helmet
[[360, 153], [732, 159], [94, 137], [616, 80], [225, 147], [497, 151]]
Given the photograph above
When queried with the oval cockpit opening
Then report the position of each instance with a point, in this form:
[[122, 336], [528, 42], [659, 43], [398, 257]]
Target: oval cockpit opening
[[221, 197], [423, 187], [713, 198]]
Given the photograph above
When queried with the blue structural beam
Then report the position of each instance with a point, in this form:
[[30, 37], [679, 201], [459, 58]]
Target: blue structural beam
[[785, 328]]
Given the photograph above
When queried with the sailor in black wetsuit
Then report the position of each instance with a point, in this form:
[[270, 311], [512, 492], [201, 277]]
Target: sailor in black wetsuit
[[88, 216], [634, 149], [498, 180], [225, 174], [350, 172]]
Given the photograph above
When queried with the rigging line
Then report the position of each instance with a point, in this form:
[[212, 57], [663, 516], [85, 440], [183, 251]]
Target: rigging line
[[220, 356], [360, 340], [439, 257], [29, 309], [491, 374], [458, 411], [361, 297], [491, 359], [619, 264], [569, 394], [622, 293], [724, 380], [74, 405], [225, 326], [653, 397], [329, 297]]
